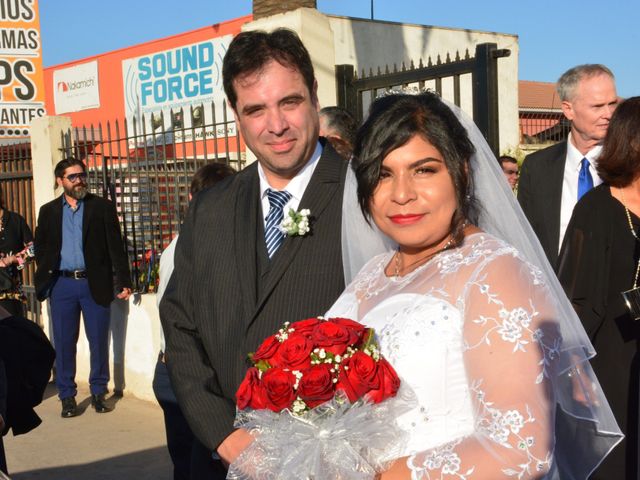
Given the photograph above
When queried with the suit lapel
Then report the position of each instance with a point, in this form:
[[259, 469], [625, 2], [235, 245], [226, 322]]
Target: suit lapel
[[247, 211], [56, 224], [555, 169], [324, 184]]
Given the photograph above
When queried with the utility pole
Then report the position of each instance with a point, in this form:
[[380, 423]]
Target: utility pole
[[371, 9]]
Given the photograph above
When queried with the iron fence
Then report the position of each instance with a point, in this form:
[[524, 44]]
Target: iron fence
[[146, 168], [539, 127], [356, 91], [16, 181]]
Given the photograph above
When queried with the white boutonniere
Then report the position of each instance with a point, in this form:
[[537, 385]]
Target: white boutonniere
[[296, 224]]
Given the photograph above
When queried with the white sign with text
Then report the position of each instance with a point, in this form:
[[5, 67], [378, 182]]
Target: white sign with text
[[76, 88], [164, 86]]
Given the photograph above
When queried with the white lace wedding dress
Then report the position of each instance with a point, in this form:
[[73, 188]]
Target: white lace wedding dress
[[472, 332]]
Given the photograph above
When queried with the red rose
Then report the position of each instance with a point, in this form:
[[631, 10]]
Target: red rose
[[251, 392], [294, 352], [316, 385], [358, 376], [305, 327], [268, 351], [333, 337], [278, 387], [356, 329], [389, 382]]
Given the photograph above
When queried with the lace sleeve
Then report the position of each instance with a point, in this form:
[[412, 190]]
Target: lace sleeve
[[510, 340]]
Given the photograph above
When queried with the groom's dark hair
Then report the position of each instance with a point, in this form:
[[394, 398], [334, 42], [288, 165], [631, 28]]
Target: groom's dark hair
[[394, 120], [250, 51]]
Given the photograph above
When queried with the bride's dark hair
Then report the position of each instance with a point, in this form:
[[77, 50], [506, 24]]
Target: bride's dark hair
[[393, 120]]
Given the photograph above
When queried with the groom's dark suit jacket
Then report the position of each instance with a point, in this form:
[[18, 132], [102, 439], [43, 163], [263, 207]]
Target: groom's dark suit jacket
[[225, 296], [540, 195]]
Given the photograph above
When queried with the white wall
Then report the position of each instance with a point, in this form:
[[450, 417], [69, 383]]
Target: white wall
[[368, 44], [135, 343]]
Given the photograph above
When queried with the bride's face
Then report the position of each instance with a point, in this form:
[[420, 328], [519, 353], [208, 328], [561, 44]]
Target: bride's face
[[415, 199]]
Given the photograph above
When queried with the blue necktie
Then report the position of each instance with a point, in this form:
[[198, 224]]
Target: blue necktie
[[273, 237], [585, 180]]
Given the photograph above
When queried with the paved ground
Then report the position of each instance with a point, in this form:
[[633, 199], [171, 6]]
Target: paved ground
[[128, 443]]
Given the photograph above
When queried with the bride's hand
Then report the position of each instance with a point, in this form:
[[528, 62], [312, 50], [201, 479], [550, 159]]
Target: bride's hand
[[234, 445], [397, 471]]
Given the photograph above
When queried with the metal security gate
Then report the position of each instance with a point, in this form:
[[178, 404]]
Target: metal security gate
[[145, 167], [16, 181], [352, 89]]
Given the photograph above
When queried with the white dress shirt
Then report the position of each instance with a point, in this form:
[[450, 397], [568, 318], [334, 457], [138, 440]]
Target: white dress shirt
[[296, 186], [570, 182]]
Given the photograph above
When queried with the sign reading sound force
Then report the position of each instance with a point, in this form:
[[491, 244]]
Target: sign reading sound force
[[168, 81], [21, 79]]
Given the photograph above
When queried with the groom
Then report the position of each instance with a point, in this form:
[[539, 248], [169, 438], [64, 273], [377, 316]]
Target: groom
[[237, 277]]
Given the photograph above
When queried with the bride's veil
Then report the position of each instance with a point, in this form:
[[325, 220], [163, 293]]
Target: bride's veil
[[586, 429]]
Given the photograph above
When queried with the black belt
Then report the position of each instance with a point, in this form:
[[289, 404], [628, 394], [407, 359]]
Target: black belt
[[75, 274]]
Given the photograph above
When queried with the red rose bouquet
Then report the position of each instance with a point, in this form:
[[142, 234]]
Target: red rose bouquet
[[321, 401]]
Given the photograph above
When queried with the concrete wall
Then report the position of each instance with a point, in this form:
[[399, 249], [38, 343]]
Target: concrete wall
[[315, 31], [266, 8], [368, 44]]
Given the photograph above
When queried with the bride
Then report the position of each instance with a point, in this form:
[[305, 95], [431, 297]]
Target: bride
[[479, 328]]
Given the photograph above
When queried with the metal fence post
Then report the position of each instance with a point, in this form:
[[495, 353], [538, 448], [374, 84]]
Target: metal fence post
[[346, 93], [485, 92]]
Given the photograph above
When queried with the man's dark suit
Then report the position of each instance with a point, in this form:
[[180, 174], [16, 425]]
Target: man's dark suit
[[225, 296], [540, 195], [104, 253], [106, 269]]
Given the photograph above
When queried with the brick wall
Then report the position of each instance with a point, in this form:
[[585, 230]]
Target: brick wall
[[265, 8]]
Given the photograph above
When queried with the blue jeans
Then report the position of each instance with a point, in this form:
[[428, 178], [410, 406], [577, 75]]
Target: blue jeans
[[69, 297]]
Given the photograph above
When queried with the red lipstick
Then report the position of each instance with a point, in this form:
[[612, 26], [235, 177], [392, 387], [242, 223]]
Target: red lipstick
[[407, 219]]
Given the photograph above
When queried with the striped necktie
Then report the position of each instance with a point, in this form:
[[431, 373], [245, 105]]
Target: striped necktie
[[273, 237], [585, 180]]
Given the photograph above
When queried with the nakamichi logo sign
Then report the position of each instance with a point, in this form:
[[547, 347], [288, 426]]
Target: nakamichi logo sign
[[77, 85], [76, 88]]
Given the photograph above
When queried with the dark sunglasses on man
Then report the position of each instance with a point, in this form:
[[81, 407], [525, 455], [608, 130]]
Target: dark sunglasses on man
[[73, 177]]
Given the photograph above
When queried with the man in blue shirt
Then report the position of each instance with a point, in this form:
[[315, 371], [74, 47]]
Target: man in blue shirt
[[81, 262]]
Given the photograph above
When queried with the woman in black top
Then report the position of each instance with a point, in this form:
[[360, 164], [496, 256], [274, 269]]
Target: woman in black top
[[16, 248], [599, 260]]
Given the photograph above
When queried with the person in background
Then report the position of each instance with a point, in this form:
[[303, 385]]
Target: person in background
[[81, 261], [600, 260], [16, 249], [190, 458], [553, 179], [339, 127], [509, 167]]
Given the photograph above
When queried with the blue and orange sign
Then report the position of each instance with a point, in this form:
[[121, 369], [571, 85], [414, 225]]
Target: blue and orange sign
[[21, 79]]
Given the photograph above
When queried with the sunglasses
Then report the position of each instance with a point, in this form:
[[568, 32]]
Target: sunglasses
[[72, 177]]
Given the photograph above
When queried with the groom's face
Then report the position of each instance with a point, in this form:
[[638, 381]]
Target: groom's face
[[278, 119]]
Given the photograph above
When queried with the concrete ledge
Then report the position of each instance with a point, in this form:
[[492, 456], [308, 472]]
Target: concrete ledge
[[135, 343]]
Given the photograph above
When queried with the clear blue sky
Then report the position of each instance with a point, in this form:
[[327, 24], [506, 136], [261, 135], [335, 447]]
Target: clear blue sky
[[554, 35]]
